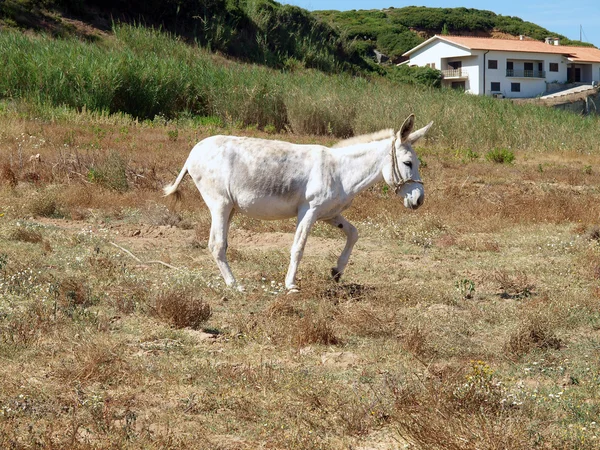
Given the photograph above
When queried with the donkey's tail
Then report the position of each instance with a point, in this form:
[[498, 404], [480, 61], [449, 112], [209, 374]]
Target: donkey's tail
[[173, 188]]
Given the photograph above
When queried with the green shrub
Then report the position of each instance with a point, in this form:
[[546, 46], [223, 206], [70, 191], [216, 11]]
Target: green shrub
[[500, 156], [467, 155], [110, 173], [425, 76]]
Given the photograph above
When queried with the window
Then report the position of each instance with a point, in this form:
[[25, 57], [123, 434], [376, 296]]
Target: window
[[458, 85], [495, 86], [553, 67], [493, 64], [455, 64], [510, 69], [515, 87]]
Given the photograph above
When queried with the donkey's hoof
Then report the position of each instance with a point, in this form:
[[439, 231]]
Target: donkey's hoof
[[293, 290], [336, 274]]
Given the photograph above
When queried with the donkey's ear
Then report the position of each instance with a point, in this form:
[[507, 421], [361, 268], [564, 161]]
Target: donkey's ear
[[414, 137], [407, 127]]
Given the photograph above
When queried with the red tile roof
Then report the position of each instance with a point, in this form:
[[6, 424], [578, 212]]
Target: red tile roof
[[575, 54]]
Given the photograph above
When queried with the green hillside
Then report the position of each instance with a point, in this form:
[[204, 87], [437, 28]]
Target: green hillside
[[259, 31], [267, 32], [393, 31]]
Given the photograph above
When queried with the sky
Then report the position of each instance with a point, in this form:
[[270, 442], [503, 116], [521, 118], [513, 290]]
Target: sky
[[561, 17]]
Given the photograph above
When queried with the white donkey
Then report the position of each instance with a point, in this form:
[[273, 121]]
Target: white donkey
[[273, 180]]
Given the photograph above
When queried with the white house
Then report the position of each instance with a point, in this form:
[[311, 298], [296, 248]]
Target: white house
[[504, 67]]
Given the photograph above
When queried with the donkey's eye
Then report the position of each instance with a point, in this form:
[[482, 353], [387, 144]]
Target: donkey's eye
[[408, 164]]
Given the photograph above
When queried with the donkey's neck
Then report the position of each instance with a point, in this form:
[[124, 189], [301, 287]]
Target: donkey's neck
[[361, 165]]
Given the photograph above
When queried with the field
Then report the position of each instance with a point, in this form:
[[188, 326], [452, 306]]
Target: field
[[472, 323]]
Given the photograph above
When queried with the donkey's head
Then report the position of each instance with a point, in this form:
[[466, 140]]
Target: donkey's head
[[402, 171]]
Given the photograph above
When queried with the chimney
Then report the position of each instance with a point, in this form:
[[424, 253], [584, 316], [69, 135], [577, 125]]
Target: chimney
[[548, 40], [556, 41]]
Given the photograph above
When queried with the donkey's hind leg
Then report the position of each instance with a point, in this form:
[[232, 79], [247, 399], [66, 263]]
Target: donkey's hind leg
[[217, 243], [351, 238]]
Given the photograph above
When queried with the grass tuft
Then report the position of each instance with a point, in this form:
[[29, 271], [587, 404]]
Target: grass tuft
[[7, 175], [72, 292], [314, 328], [181, 308], [25, 235], [43, 205], [535, 333]]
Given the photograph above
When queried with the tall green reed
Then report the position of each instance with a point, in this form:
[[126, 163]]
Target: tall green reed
[[145, 73]]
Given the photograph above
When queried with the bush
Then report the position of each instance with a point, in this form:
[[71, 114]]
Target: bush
[[43, 205], [500, 156], [425, 76]]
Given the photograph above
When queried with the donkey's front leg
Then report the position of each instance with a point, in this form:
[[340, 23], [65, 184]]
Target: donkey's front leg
[[351, 238], [306, 219]]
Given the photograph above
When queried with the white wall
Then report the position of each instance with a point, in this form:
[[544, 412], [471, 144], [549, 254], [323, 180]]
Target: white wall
[[530, 87], [434, 52], [439, 53]]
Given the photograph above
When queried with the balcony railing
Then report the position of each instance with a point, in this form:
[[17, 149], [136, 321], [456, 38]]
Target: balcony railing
[[525, 73], [455, 73]]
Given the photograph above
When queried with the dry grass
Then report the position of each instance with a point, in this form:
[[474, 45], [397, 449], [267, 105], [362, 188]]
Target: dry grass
[[181, 308], [25, 235], [534, 333], [8, 175], [100, 350], [314, 328]]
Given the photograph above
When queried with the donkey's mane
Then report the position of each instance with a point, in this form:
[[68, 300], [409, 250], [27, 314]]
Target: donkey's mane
[[364, 138]]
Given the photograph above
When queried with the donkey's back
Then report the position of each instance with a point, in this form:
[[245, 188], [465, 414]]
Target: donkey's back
[[261, 178]]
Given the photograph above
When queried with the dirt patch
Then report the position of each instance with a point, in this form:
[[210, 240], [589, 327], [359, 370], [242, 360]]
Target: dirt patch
[[315, 246], [168, 237]]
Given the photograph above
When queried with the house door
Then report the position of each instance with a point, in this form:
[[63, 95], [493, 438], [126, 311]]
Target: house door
[[574, 74], [455, 65]]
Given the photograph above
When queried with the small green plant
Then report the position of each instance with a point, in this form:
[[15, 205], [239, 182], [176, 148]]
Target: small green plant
[[466, 155], [500, 156], [465, 288], [93, 176], [173, 134], [270, 129]]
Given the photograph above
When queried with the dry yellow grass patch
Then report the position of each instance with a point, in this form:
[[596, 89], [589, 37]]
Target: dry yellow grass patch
[[471, 323]]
